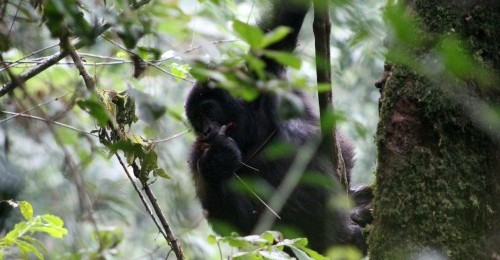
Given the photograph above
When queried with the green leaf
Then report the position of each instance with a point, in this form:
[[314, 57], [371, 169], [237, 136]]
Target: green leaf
[[248, 256], [315, 255], [290, 106], [203, 74], [274, 254], [237, 242], [126, 146], [322, 87], [179, 71], [404, 27], [278, 150], [26, 210], [18, 230], [148, 162], [96, 109], [130, 28], [65, 16], [109, 238], [285, 58], [161, 173], [271, 236], [27, 248], [212, 239], [56, 232], [344, 252], [250, 34], [256, 65], [148, 53], [274, 36], [301, 255], [52, 220]]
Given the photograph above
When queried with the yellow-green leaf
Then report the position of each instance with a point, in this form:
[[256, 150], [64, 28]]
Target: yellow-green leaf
[[252, 35], [26, 210], [285, 58]]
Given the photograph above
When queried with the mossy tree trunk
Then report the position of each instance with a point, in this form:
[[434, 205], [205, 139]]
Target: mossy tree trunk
[[437, 187]]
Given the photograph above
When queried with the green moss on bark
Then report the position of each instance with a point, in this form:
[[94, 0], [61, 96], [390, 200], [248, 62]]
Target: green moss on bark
[[437, 184], [434, 181]]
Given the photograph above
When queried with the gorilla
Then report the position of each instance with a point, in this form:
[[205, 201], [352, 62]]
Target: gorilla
[[234, 139]]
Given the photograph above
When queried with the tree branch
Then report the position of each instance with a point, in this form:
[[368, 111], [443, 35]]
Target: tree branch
[[45, 65], [171, 239], [164, 227], [321, 28], [14, 114], [141, 196], [6, 88], [66, 45]]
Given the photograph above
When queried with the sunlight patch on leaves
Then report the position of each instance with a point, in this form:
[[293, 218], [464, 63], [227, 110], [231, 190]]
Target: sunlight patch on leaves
[[268, 245], [21, 236]]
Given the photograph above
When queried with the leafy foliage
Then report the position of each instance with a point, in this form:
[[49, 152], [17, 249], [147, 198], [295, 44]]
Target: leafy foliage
[[21, 241], [268, 245], [149, 49], [114, 135], [272, 245]]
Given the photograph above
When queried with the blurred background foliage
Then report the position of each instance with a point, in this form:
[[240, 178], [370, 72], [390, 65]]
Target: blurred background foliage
[[148, 50]]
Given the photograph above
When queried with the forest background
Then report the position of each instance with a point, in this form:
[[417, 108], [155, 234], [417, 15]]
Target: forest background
[[52, 151]]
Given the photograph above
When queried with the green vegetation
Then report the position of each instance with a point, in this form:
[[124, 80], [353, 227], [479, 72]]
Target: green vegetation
[[66, 118]]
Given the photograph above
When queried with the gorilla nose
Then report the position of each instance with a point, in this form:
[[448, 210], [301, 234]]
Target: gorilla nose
[[206, 131], [210, 130]]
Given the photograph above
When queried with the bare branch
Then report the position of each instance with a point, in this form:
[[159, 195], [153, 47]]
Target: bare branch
[[47, 121], [37, 106], [141, 196], [42, 66], [89, 82], [6, 88], [147, 62], [171, 239], [21, 60]]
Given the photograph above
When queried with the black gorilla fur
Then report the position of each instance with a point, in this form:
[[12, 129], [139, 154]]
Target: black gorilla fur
[[233, 133]]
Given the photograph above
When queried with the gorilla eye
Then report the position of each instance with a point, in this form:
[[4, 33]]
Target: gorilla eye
[[211, 110], [209, 105]]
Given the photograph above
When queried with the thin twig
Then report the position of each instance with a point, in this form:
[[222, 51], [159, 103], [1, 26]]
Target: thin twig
[[257, 196], [170, 137], [287, 186], [53, 59], [115, 61], [92, 55], [196, 48], [164, 228], [37, 106], [141, 196], [147, 62], [48, 121], [14, 19]]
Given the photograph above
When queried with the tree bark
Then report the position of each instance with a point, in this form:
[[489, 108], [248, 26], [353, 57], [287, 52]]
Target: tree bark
[[437, 188]]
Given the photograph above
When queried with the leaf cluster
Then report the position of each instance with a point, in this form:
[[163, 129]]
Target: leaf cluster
[[117, 109], [21, 241], [268, 245]]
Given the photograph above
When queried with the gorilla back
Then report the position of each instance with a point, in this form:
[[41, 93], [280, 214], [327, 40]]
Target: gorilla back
[[234, 136]]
